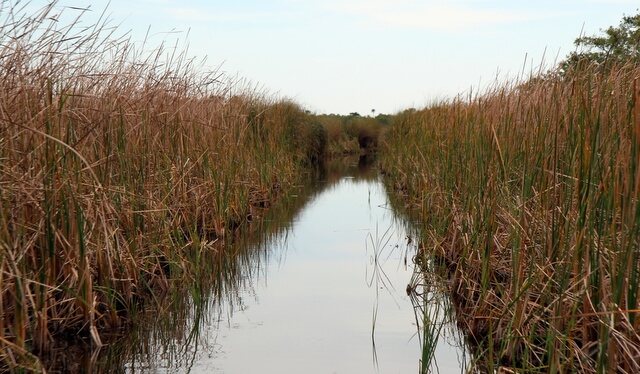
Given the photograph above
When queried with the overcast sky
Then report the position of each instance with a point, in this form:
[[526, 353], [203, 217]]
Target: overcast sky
[[343, 56]]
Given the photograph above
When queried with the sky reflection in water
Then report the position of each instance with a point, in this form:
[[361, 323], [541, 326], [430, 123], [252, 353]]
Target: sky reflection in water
[[311, 306], [313, 311]]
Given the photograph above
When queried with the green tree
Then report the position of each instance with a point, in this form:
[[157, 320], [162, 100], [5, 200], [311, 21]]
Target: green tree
[[617, 45]]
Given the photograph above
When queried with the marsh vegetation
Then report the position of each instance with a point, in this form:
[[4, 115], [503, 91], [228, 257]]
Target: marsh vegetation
[[127, 173], [529, 194], [119, 169]]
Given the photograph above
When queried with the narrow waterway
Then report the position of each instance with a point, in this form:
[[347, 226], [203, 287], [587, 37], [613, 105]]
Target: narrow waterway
[[325, 300], [326, 294]]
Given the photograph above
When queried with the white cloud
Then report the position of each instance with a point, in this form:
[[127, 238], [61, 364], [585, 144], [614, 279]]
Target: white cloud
[[445, 17], [194, 14], [437, 15], [614, 1]]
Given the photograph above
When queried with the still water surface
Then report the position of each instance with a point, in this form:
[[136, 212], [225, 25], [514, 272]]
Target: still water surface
[[328, 295], [313, 309]]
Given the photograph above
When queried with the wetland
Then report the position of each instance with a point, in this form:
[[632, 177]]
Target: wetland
[[156, 215], [319, 286]]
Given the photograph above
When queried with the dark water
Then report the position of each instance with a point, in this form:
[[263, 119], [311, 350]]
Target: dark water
[[322, 291]]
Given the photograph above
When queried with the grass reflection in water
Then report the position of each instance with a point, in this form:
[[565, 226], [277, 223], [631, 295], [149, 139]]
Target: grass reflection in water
[[229, 307]]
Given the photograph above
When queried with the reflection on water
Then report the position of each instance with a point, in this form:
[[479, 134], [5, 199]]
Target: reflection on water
[[323, 290], [443, 349]]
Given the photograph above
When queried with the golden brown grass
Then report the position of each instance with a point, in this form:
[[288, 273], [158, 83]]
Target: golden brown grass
[[113, 164], [530, 193]]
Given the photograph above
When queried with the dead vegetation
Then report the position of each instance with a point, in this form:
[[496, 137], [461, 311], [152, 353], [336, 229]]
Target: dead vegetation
[[116, 165], [530, 193]]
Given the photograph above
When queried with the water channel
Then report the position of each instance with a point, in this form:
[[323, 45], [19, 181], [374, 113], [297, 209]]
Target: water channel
[[322, 291]]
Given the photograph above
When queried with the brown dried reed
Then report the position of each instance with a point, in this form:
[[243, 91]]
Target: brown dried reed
[[530, 192], [113, 163]]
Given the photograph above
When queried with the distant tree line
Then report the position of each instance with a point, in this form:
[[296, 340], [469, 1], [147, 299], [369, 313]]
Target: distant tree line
[[615, 45]]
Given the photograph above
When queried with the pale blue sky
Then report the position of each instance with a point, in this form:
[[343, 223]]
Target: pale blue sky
[[353, 55]]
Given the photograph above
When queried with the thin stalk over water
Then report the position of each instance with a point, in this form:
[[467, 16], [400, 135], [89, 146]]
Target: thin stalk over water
[[378, 279]]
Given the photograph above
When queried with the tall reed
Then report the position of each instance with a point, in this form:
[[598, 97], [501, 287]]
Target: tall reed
[[530, 192], [114, 163]]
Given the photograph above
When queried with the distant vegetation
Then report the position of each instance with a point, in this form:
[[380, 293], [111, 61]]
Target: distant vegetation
[[354, 133], [529, 195], [617, 45]]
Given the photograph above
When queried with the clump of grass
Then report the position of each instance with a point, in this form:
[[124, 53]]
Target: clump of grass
[[114, 163], [531, 193]]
